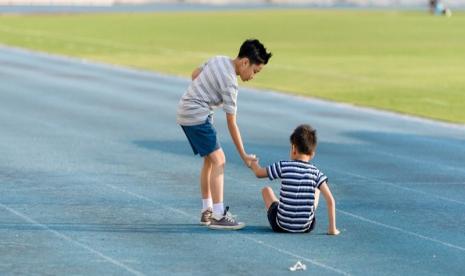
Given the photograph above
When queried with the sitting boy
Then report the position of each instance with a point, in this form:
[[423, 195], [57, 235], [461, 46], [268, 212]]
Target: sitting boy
[[301, 183]]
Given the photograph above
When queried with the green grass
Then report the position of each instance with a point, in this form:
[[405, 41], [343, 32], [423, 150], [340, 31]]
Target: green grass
[[408, 62]]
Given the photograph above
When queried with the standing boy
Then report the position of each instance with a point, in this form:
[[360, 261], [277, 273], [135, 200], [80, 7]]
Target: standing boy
[[215, 84], [301, 183]]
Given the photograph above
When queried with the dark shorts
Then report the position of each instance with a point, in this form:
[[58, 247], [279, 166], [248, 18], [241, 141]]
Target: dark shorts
[[202, 138], [272, 216]]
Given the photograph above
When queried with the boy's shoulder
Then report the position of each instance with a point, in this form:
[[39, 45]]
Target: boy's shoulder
[[217, 58], [298, 163], [223, 57], [222, 67]]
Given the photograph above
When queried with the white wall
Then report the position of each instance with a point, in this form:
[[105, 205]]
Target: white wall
[[82, 2], [58, 2], [319, 2]]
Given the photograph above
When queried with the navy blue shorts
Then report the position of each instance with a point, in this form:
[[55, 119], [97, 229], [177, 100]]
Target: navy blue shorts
[[272, 215], [202, 138]]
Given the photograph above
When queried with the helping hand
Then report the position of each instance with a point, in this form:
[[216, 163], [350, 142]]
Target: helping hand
[[249, 158]]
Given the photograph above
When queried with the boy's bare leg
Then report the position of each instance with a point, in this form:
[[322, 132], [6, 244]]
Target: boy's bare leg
[[317, 198], [268, 197], [217, 160], [205, 178], [221, 217]]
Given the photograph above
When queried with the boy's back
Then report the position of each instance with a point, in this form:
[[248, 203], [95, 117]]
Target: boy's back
[[299, 181], [301, 185], [216, 85]]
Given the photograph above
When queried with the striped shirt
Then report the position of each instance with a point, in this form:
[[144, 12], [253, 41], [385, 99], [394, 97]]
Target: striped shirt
[[299, 179], [215, 86]]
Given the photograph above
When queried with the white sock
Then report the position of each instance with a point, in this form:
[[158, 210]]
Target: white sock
[[207, 203], [218, 209]]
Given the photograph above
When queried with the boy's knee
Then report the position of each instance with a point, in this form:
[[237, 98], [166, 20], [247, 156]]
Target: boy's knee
[[267, 190], [217, 158], [219, 162]]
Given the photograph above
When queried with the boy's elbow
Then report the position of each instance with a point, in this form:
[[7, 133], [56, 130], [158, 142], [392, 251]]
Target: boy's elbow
[[261, 174], [331, 202], [195, 73]]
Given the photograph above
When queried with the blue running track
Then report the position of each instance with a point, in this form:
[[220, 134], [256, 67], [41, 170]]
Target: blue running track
[[96, 178]]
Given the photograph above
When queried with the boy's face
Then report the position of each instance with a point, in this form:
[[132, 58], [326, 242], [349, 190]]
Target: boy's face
[[247, 70]]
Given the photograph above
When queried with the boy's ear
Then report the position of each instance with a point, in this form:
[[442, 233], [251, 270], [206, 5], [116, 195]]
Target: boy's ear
[[312, 155], [245, 62], [294, 150]]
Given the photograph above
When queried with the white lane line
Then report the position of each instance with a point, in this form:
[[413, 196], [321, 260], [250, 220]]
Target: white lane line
[[429, 195], [31, 189], [394, 227], [282, 251], [149, 200], [340, 211], [411, 160], [64, 237], [403, 231], [435, 183], [419, 161]]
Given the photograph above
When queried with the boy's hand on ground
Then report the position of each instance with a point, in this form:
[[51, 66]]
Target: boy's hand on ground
[[333, 231]]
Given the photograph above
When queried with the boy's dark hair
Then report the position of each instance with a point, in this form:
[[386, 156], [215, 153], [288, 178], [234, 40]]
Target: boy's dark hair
[[254, 51], [304, 139]]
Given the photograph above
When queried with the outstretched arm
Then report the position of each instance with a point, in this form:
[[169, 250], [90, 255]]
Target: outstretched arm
[[259, 171], [331, 206], [236, 137]]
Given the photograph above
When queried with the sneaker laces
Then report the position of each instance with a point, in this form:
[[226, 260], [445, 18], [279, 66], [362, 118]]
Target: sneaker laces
[[228, 216]]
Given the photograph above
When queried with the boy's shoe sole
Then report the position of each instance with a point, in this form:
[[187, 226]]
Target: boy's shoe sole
[[223, 227]]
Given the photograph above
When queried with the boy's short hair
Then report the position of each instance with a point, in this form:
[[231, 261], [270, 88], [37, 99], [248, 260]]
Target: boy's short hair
[[304, 139], [254, 50]]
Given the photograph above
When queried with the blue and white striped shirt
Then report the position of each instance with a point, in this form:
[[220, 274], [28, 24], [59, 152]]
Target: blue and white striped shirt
[[299, 179]]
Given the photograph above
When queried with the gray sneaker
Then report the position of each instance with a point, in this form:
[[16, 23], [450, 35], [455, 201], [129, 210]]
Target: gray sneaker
[[205, 217], [225, 222]]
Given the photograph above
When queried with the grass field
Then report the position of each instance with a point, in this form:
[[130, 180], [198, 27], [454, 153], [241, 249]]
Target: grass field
[[408, 62]]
